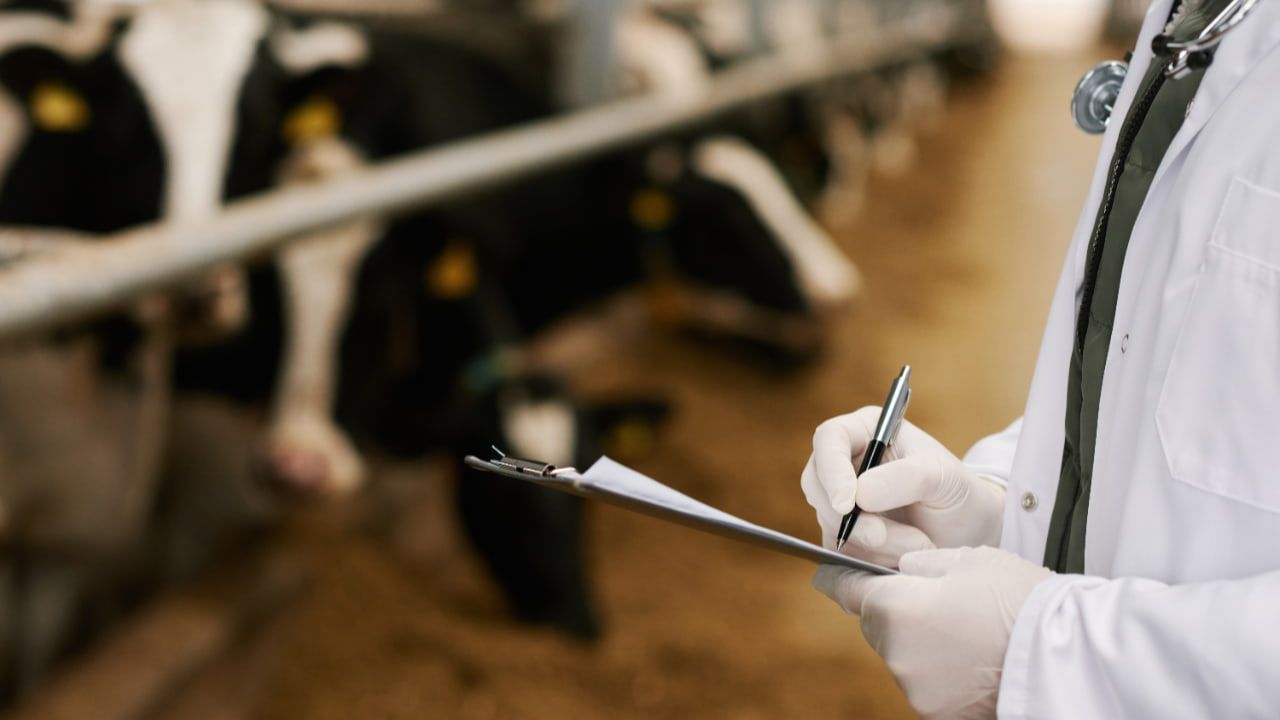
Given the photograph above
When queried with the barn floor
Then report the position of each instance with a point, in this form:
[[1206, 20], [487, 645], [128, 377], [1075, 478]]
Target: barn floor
[[960, 256]]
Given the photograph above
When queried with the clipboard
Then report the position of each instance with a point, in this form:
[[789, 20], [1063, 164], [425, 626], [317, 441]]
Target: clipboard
[[618, 485]]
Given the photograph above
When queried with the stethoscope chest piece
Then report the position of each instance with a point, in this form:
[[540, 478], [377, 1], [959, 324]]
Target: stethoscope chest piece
[[1095, 96]]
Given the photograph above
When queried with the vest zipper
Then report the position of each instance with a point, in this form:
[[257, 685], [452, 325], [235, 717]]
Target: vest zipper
[[1124, 145]]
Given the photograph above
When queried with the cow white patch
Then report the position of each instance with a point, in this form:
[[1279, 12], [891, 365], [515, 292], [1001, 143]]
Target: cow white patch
[[319, 274], [725, 26], [795, 23], [825, 273], [303, 49], [661, 58], [546, 431], [83, 37], [190, 58]]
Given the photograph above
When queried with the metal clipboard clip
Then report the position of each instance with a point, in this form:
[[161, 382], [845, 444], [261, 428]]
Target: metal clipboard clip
[[529, 467]]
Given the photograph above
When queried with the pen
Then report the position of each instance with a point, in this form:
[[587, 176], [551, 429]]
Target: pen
[[895, 408]]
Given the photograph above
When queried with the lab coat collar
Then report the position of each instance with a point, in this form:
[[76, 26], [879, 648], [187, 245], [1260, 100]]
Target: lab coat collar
[[1242, 49]]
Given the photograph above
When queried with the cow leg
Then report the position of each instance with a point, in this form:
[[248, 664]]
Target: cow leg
[[307, 450], [530, 537], [45, 607], [10, 625], [211, 496], [847, 146], [531, 540]]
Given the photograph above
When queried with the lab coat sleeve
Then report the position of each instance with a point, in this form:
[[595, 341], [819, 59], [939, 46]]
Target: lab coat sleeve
[[1086, 647], [993, 455]]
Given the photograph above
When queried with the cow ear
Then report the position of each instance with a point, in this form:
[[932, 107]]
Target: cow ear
[[41, 80], [318, 59]]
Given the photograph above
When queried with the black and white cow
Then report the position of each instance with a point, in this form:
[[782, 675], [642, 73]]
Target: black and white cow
[[446, 292], [163, 112], [111, 116], [702, 209], [204, 100], [827, 139]]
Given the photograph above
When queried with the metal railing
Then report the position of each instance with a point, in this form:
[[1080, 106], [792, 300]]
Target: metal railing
[[73, 282]]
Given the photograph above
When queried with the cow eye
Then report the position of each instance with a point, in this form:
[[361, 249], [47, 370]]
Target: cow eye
[[652, 209], [58, 108], [315, 119], [455, 272]]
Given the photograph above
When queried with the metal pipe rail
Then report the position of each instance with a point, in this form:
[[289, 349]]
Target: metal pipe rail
[[71, 283]]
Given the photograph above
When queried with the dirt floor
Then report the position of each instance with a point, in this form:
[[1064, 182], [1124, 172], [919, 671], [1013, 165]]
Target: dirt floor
[[960, 256]]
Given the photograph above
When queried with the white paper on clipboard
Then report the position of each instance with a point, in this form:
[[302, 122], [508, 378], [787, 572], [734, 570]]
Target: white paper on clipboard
[[609, 474]]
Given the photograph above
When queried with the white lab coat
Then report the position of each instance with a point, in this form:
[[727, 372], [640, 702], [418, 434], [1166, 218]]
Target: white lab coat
[[1179, 612]]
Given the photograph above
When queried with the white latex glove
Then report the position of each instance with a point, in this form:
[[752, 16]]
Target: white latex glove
[[920, 496], [943, 625]]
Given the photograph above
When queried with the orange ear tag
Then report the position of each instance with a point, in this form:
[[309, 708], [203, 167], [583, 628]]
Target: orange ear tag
[[630, 440], [652, 209], [455, 273]]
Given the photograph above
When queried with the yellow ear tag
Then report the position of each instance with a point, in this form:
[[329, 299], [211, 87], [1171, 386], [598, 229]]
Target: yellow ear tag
[[317, 118], [630, 440], [455, 273], [56, 107], [652, 209]]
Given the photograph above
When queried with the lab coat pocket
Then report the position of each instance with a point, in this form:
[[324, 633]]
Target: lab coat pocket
[[1219, 410]]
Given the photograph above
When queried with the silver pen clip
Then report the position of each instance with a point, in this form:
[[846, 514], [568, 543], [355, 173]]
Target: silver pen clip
[[895, 408]]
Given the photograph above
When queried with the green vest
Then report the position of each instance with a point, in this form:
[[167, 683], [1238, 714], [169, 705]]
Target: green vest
[[1158, 110]]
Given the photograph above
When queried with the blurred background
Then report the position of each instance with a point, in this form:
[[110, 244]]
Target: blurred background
[[268, 270]]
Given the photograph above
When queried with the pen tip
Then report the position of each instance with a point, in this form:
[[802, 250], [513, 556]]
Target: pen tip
[[839, 544]]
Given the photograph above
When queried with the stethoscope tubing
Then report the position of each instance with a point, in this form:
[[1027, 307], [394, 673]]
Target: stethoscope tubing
[[1226, 21], [1197, 52]]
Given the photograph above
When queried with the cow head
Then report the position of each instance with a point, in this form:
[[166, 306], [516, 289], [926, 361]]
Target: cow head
[[731, 249], [114, 114]]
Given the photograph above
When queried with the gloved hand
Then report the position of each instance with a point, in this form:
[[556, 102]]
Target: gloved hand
[[920, 496], [942, 626]]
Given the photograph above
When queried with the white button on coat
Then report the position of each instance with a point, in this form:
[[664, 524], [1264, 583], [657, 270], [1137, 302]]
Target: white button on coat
[[1177, 616]]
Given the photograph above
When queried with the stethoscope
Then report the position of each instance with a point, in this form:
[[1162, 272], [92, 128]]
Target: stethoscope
[[1096, 93]]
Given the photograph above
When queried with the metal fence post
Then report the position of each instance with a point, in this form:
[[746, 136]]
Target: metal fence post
[[759, 10], [74, 282], [590, 55]]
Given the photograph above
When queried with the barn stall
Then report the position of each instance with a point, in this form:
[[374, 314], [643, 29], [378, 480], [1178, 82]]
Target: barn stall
[[215, 349]]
